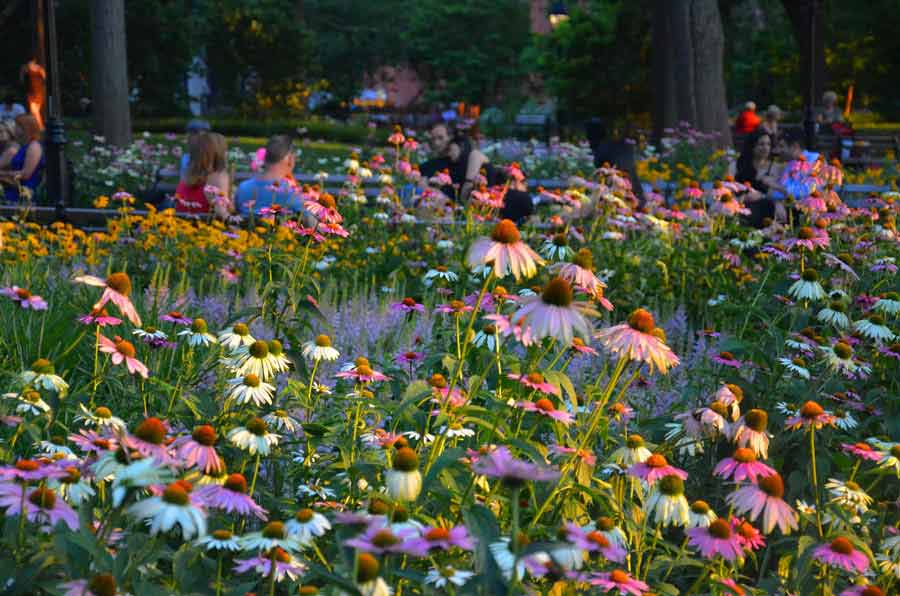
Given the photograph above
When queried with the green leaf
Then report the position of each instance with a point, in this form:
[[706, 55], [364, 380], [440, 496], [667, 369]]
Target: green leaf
[[446, 459]]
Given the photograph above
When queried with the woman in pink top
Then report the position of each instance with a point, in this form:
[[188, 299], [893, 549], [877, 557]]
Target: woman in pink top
[[208, 168]]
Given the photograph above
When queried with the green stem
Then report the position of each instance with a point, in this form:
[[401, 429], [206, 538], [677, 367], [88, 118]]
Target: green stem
[[815, 482]]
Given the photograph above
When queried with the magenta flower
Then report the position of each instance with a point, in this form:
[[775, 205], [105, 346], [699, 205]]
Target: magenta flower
[[861, 450], [285, 565], [743, 465], [333, 229], [123, 350], [750, 538], [231, 497], [362, 372], [199, 450], [24, 298], [176, 318], [515, 472], [116, 289], [765, 499], [546, 408], [536, 382], [619, 581], [586, 456], [149, 439], [840, 553], [92, 442], [808, 238], [716, 539], [30, 470], [810, 414], [654, 468], [41, 506], [726, 359], [381, 540], [444, 539], [408, 305], [594, 541], [99, 316], [409, 358], [579, 347]]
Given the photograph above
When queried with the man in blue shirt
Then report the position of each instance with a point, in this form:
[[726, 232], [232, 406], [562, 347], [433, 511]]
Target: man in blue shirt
[[269, 187]]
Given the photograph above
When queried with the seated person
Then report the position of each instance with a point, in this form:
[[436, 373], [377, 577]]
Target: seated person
[[756, 167], [829, 113], [26, 168], [797, 178], [194, 129], [769, 125], [9, 109], [207, 167], [272, 186], [8, 144]]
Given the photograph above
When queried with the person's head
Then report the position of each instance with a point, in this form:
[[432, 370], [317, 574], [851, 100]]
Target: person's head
[[27, 129], [793, 145], [280, 154], [773, 114], [750, 106], [459, 147], [208, 155], [7, 132], [197, 127], [757, 146], [440, 137], [829, 99]]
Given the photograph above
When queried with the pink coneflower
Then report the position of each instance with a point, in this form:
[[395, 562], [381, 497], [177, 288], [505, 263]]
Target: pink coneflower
[[285, 565], [408, 305], [716, 539], [814, 202], [149, 439], [861, 450], [765, 498], [99, 316], [231, 497], [742, 466], [750, 431], [363, 372], [891, 351], [578, 346], [455, 307], [778, 251], [123, 351], [727, 359], [728, 206], [92, 442], [116, 288], [655, 467], [536, 382], [586, 456], [580, 272], [24, 298], [30, 470], [333, 229], [750, 538], [500, 463], [620, 413], [618, 580], [41, 506], [177, 318], [381, 540], [324, 209], [635, 340], [409, 358], [554, 313], [199, 450], [546, 408], [505, 252], [443, 539], [810, 414], [594, 541], [808, 238], [840, 553]]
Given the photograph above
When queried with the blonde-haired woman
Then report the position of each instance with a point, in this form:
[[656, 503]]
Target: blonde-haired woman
[[206, 185]]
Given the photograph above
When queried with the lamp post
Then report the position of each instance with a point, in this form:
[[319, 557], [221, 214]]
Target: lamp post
[[57, 175], [809, 118], [558, 14]]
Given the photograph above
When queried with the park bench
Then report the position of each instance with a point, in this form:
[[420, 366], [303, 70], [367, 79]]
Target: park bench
[[531, 123], [866, 149]]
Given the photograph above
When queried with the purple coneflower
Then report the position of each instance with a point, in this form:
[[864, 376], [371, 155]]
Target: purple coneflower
[[513, 472], [41, 506], [743, 465], [546, 408], [444, 538], [285, 565], [810, 414], [863, 451], [841, 553], [99, 316], [24, 298], [765, 498], [116, 288], [363, 372], [408, 305], [504, 252], [726, 359], [554, 313], [637, 340], [382, 540], [231, 497], [199, 450], [654, 468], [177, 318], [595, 541], [536, 382], [716, 539], [123, 351], [750, 538], [618, 580], [149, 439]]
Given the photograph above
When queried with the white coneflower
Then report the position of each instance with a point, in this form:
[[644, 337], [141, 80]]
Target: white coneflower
[[556, 248], [101, 417], [198, 334], [795, 365], [439, 273], [320, 349], [840, 358], [834, 314], [219, 540], [888, 304], [404, 481], [306, 525], [667, 503], [849, 495], [30, 402], [280, 420], [150, 333], [280, 362], [237, 336], [700, 515], [455, 429], [807, 287], [43, 375], [136, 474], [172, 507], [250, 389], [873, 327], [447, 575], [634, 451], [368, 581], [252, 360], [254, 438], [72, 487], [683, 442], [273, 534]]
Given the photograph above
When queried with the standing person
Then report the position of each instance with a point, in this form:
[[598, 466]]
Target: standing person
[[769, 125], [208, 167], [747, 120], [35, 77], [273, 186], [26, 168], [9, 109], [756, 168]]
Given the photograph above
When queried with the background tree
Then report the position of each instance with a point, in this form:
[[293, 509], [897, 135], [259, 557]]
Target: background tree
[[109, 71]]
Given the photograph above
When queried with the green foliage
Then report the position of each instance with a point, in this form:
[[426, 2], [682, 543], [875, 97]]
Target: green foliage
[[468, 50]]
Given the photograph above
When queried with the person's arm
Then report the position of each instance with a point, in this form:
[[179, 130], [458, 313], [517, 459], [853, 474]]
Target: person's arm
[[32, 159], [222, 208], [8, 155], [476, 160]]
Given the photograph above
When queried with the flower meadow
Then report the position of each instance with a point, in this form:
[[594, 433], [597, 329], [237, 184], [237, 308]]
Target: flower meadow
[[380, 398]]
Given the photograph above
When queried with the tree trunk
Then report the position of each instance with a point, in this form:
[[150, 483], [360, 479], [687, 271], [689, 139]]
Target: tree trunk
[[689, 78], [109, 72], [798, 13]]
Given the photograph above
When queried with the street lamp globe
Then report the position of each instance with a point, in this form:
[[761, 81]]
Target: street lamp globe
[[558, 14]]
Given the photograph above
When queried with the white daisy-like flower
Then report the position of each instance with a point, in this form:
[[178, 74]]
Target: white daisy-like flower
[[795, 365], [237, 336], [150, 333], [219, 540], [874, 328], [510, 564], [101, 417], [634, 451], [320, 349], [73, 488], [889, 304], [315, 489], [447, 575], [138, 474], [556, 248], [43, 375], [250, 389], [252, 360], [30, 402], [428, 439], [273, 534], [805, 508], [807, 287], [844, 420], [686, 445], [888, 564], [280, 420], [802, 346], [849, 495], [173, 507], [280, 362], [198, 334], [700, 515], [667, 503], [254, 438], [307, 525], [456, 429], [834, 315], [439, 273]]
